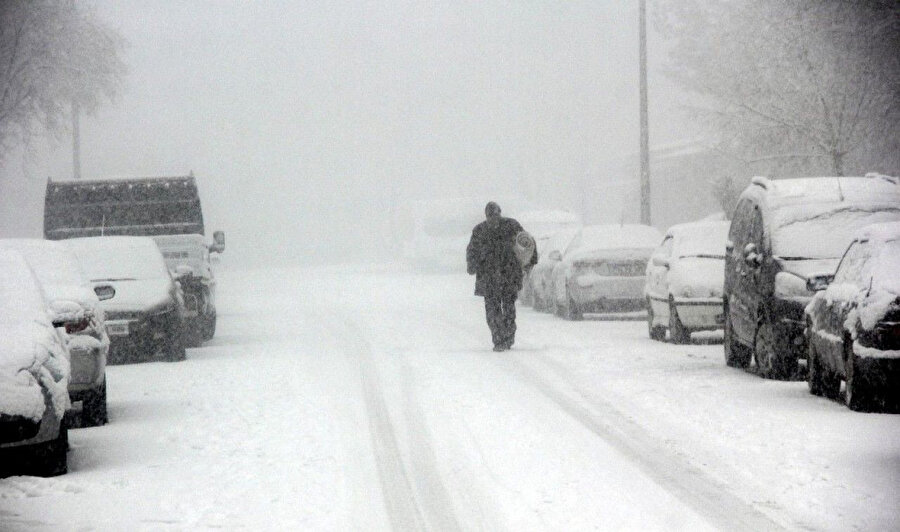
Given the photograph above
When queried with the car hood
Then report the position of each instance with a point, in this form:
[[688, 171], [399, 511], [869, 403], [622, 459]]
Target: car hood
[[82, 295], [697, 277], [591, 255], [807, 267], [138, 296]]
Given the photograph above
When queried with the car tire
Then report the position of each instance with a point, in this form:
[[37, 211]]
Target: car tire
[[94, 412], [656, 332], [769, 362], [175, 348], [571, 311], [209, 327], [820, 381], [677, 330], [858, 394], [49, 459], [736, 354]]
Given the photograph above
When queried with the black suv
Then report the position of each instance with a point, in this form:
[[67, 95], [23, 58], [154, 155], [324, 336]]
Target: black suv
[[783, 232]]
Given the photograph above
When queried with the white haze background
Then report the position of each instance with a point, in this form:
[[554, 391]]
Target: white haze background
[[309, 124]]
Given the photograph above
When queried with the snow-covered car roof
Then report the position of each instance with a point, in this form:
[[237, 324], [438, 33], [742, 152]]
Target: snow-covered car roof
[[106, 258], [617, 236], [817, 217], [703, 238], [807, 190], [30, 349]]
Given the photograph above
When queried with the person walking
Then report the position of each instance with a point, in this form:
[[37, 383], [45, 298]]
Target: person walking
[[491, 258]]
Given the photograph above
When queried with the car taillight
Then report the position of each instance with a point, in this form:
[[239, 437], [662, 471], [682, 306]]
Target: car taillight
[[73, 327]]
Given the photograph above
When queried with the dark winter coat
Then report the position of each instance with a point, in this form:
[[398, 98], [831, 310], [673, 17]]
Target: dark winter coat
[[491, 258]]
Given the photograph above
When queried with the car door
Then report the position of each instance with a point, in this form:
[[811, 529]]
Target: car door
[[741, 277], [657, 278], [839, 301]]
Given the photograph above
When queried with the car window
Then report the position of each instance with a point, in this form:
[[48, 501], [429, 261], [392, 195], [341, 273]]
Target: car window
[[850, 268], [666, 248], [737, 233]]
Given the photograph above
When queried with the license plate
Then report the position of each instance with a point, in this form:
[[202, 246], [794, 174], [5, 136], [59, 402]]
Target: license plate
[[117, 329]]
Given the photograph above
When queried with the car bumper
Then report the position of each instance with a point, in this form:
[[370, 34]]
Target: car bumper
[[610, 294], [700, 313], [88, 367], [143, 337]]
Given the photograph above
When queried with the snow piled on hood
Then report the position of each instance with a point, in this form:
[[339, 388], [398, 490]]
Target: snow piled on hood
[[705, 238], [31, 352], [119, 257], [697, 277]]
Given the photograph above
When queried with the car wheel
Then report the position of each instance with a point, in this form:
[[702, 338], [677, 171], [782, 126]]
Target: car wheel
[[209, 327], [93, 412], [857, 395], [656, 332], [770, 363], [679, 334], [736, 354], [49, 458], [820, 381], [175, 349], [571, 311]]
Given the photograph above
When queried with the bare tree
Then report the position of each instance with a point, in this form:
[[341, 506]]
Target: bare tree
[[792, 87], [53, 54]]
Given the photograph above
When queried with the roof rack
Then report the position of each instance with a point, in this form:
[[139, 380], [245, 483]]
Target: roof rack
[[761, 181]]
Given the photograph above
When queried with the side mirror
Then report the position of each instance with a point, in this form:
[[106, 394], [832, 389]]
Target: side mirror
[[555, 255], [819, 282], [729, 246], [660, 261], [218, 245], [105, 291], [69, 314], [752, 257]]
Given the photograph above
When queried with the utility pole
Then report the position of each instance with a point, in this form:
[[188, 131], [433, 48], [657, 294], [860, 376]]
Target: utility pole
[[76, 142], [645, 136]]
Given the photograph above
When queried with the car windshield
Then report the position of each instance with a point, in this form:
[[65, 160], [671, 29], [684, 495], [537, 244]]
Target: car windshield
[[52, 265], [707, 241], [111, 259], [823, 232]]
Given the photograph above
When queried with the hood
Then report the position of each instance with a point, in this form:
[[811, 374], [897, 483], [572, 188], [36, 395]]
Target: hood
[[697, 277], [138, 296], [807, 267], [591, 255], [82, 295]]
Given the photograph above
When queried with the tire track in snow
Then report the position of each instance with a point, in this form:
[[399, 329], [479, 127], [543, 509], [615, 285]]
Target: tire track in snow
[[415, 497], [707, 496]]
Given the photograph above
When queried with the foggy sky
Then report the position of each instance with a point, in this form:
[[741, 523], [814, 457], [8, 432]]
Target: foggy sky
[[306, 123]]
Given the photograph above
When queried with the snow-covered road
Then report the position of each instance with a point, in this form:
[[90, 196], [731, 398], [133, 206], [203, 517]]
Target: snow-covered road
[[341, 399]]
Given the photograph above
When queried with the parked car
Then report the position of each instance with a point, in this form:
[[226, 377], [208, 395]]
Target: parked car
[[34, 376], [60, 276], [146, 315], [541, 277], [853, 323], [781, 232], [602, 270], [684, 282], [542, 225]]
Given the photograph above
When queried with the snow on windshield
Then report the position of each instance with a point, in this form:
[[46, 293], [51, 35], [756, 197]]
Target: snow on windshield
[[51, 262], [619, 237], [108, 258], [706, 240], [823, 232]]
